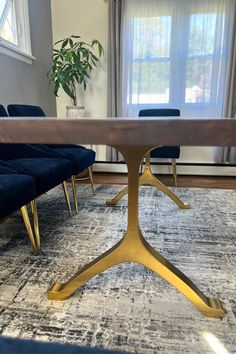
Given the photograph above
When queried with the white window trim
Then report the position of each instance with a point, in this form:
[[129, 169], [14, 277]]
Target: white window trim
[[12, 51], [23, 27]]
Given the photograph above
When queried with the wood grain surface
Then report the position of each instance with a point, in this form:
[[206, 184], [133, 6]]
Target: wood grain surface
[[120, 131]]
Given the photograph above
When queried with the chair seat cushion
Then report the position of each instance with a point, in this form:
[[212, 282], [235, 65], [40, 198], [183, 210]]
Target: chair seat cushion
[[15, 191], [166, 152], [47, 172], [6, 168], [80, 157]]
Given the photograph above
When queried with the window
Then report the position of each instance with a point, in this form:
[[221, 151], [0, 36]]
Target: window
[[15, 30], [175, 54], [8, 29]]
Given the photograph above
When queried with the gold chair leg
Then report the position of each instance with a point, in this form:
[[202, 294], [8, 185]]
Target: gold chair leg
[[134, 248], [141, 167], [147, 178], [74, 188], [174, 169], [67, 198], [36, 222], [28, 227], [91, 179]]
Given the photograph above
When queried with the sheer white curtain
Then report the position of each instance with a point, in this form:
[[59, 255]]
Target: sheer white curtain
[[176, 54]]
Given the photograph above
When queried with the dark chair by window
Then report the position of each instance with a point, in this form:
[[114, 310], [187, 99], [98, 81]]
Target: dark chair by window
[[165, 152]]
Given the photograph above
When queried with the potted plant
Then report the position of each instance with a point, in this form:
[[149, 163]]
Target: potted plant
[[72, 63]]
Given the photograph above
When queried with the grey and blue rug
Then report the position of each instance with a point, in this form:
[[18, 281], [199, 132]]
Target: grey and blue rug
[[127, 307]]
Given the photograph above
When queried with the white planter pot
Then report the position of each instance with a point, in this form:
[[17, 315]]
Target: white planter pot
[[75, 111]]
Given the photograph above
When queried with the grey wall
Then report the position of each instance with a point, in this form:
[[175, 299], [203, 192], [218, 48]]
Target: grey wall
[[28, 84]]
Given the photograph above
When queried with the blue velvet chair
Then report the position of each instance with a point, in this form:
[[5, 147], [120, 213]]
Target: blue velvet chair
[[3, 112], [49, 172], [166, 152], [48, 168], [20, 346], [16, 191], [80, 157]]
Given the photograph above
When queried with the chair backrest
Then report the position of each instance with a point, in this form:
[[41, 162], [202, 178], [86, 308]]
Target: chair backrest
[[6, 168], [23, 110], [159, 112], [164, 151], [10, 151], [3, 112]]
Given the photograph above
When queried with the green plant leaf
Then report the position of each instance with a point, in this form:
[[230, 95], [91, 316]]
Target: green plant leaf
[[64, 44], [61, 40], [67, 90], [71, 42]]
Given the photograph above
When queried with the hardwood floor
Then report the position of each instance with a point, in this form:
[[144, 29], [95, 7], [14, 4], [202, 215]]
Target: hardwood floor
[[183, 181]]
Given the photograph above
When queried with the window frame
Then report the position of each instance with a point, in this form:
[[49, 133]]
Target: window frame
[[181, 95], [22, 51]]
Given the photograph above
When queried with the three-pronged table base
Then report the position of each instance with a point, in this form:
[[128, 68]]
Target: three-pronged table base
[[134, 248], [147, 178]]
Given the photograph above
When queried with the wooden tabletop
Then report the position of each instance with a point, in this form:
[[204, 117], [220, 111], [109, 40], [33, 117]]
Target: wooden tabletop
[[119, 131]]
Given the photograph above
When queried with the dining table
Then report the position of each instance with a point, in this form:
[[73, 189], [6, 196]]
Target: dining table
[[134, 138]]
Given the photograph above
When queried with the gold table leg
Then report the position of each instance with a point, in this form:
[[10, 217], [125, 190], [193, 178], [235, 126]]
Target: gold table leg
[[134, 248], [174, 170], [147, 178]]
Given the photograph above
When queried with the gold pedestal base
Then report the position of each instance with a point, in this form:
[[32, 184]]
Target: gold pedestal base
[[134, 248], [147, 178]]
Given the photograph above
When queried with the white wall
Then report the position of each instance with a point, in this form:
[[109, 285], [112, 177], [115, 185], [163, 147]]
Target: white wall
[[89, 19], [28, 84]]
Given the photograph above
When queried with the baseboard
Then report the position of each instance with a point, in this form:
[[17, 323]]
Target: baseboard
[[182, 169]]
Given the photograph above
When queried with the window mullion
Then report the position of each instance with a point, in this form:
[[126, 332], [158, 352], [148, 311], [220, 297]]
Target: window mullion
[[23, 26], [19, 23], [216, 63], [181, 54]]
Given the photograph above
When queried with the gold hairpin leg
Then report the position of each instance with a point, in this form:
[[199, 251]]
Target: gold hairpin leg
[[174, 171], [67, 198], [147, 178], [36, 222], [28, 227], [74, 188], [134, 248], [91, 179]]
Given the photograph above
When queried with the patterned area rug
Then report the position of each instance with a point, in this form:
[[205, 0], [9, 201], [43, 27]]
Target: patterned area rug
[[127, 307]]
